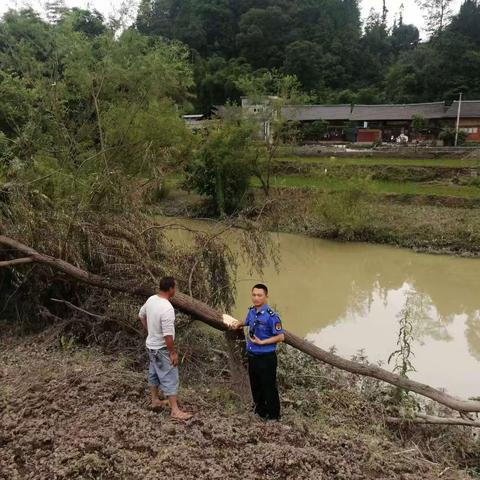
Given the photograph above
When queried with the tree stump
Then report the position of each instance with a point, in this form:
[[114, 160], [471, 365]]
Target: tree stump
[[237, 363]]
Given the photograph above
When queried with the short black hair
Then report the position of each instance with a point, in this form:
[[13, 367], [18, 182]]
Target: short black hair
[[166, 283], [262, 287]]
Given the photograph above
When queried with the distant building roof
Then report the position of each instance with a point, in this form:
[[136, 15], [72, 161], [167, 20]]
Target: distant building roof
[[434, 110], [316, 112], [468, 109], [398, 112]]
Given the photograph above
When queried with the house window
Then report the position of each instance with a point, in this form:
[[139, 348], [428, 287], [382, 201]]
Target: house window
[[469, 130]]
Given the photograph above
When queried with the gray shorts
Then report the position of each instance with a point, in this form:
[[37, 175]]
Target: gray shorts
[[161, 372]]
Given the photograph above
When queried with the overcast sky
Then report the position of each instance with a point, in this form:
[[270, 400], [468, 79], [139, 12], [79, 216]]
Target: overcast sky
[[411, 12]]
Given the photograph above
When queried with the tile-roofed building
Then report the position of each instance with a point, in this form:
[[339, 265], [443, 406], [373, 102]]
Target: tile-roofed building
[[316, 112], [353, 123], [469, 118], [398, 112], [468, 109]]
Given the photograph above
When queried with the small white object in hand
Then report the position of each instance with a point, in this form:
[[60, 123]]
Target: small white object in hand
[[229, 321]]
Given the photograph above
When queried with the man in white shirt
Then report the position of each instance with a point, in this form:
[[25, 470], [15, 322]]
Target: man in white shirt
[[158, 318]]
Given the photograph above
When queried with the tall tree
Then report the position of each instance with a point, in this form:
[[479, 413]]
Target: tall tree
[[304, 59], [384, 12], [404, 38], [376, 49], [263, 36], [54, 10], [91, 23], [467, 21], [437, 14], [216, 80]]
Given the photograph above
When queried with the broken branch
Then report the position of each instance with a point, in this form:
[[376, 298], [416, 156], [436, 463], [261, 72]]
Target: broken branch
[[422, 418], [16, 261]]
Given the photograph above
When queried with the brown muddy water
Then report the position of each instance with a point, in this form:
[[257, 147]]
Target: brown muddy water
[[351, 296]]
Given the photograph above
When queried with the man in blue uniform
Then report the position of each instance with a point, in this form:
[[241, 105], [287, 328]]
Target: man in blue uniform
[[264, 332]]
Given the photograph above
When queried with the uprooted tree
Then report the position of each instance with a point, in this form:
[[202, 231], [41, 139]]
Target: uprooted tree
[[214, 318]]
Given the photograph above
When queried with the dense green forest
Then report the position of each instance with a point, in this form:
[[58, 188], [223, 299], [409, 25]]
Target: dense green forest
[[323, 43], [75, 87]]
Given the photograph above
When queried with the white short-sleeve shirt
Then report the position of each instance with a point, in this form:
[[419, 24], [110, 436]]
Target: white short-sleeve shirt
[[160, 317]]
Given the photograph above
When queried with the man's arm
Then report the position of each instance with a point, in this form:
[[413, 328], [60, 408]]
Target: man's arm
[[277, 332], [169, 342], [142, 315], [275, 339], [168, 329]]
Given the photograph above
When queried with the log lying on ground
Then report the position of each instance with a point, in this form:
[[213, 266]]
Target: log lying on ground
[[213, 317]]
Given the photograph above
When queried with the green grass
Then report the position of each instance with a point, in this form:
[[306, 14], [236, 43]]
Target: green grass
[[334, 183], [375, 186], [174, 179], [398, 162]]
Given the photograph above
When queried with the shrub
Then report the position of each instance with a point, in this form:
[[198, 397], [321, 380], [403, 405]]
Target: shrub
[[448, 136], [316, 130], [347, 214], [418, 124], [223, 165], [290, 132]]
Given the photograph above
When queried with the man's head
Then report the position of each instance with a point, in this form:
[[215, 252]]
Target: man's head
[[259, 294], [168, 287]]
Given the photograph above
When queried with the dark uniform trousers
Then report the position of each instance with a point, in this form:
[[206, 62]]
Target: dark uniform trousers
[[262, 370]]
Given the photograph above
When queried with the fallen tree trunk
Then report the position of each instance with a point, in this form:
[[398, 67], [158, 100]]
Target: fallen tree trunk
[[373, 371], [213, 318]]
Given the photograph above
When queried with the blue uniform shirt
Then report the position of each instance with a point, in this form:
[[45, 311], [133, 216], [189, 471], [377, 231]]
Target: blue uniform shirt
[[263, 323]]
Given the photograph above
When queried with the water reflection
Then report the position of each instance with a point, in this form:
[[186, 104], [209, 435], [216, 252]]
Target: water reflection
[[473, 334], [350, 296]]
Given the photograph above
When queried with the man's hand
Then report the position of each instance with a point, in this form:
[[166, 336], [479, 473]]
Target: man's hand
[[257, 341], [231, 322], [171, 349], [174, 358], [143, 320], [268, 341]]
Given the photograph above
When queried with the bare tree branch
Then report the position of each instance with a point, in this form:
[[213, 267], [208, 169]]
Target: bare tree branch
[[74, 307], [422, 418], [94, 315], [16, 261]]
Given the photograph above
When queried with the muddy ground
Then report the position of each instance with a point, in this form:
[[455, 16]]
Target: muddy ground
[[69, 412]]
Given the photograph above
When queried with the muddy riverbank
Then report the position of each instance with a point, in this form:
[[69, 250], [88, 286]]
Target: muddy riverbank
[[73, 413], [437, 225]]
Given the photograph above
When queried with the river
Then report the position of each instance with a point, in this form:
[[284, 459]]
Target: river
[[350, 296]]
